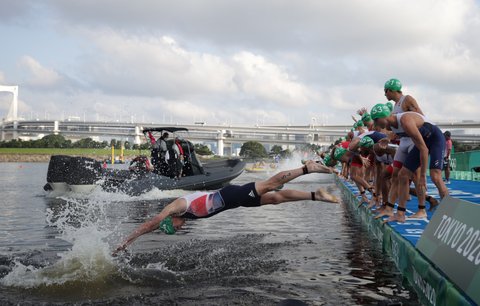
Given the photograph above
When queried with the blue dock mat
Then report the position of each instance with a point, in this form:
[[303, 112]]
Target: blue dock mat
[[412, 229]]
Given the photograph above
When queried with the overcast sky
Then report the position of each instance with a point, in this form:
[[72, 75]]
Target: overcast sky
[[237, 62]]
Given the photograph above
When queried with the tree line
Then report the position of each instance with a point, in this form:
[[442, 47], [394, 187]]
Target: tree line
[[58, 141], [254, 150]]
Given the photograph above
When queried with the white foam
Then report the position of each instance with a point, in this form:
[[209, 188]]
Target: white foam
[[295, 162], [160, 266], [100, 195], [84, 225]]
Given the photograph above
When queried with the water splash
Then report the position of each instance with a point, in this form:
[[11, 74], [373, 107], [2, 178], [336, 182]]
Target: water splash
[[98, 194], [84, 226], [294, 162]]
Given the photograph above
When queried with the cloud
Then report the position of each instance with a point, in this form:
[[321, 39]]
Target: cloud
[[319, 26], [14, 10], [160, 67], [268, 81], [153, 66], [424, 41], [38, 75], [250, 61]]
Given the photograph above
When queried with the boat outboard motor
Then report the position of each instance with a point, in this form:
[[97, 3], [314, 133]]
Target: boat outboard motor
[[84, 173], [58, 169]]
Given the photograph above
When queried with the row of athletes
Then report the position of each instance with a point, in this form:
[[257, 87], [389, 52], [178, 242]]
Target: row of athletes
[[387, 149]]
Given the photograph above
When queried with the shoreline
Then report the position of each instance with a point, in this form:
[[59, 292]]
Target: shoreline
[[45, 158], [38, 158]]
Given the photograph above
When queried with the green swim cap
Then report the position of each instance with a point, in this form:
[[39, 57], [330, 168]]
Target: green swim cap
[[328, 161], [390, 106], [167, 227], [393, 85], [339, 152], [358, 123], [366, 117], [380, 111], [366, 142]]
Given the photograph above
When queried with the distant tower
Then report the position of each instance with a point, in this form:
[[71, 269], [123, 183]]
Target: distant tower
[[13, 111]]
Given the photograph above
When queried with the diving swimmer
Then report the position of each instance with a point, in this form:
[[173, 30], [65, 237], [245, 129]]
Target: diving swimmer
[[205, 204]]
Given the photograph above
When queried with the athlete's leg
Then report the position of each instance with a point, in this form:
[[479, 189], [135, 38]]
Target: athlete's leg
[[375, 200], [436, 146], [420, 194], [283, 177], [436, 176], [357, 175], [386, 185], [346, 170], [433, 202], [404, 176], [296, 195], [447, 170], [392, 194]]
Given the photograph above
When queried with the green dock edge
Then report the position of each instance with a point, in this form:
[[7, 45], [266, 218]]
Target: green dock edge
[[431, 285]]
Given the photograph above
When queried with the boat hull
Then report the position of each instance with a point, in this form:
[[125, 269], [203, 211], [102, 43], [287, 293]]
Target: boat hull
[[82, 175]]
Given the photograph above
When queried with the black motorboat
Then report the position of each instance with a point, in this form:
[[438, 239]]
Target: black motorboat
[[83, 174]]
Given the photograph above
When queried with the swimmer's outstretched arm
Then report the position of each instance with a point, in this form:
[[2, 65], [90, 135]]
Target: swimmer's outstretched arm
[[175, 208]]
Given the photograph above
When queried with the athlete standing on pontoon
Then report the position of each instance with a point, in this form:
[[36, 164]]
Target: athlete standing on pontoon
[[428, 142], [207, 204]]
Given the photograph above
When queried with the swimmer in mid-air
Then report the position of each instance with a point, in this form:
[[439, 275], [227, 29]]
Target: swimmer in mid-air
[[205, 204]]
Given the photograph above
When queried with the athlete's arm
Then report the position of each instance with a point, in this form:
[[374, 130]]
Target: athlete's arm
[[411, 105], [353, 145], [175, 208]]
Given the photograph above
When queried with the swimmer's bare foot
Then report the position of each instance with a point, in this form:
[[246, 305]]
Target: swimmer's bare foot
[[433, 202], [314, 167], [400, 218], [379, 209], [420, 214], [322, 195], [373, 202], [385, 212]]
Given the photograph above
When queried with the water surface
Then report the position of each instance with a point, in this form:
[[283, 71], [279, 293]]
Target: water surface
[[56, 250]]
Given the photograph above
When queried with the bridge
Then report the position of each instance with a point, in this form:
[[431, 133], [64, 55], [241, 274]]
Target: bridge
[[223, 136]]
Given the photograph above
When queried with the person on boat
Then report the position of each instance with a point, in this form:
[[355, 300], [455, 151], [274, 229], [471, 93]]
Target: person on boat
[[179, 158], [209, 203], [162, 144], [140, 164], [154, 151], [162, 164]]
